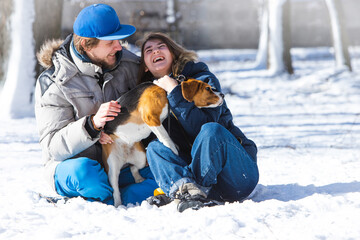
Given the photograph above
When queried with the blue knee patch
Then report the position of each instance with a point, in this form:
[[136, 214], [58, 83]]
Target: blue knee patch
[[88, 169], [153, 146], [82, 177], [212, 128]]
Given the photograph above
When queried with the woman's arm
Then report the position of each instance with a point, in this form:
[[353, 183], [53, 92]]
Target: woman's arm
[[190, 116]]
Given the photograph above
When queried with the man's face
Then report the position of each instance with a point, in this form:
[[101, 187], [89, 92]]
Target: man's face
[[104, 53]]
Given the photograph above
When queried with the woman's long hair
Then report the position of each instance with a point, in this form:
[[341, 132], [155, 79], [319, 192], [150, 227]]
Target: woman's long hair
[[180, 56]]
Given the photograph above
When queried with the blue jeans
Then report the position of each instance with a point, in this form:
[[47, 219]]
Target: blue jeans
[[220, 166], [86, 178]]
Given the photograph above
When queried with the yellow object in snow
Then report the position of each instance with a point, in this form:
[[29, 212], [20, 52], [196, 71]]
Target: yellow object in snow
[[158, 191]]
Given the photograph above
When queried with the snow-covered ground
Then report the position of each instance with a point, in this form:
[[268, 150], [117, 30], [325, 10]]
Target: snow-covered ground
[[307, 128]]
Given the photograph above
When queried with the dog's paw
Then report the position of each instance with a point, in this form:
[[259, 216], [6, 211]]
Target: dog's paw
[[117, 201], [139, 179], [173, 148]]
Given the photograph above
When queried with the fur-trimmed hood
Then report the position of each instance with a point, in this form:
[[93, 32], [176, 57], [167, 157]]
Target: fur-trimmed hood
[[47, 51]]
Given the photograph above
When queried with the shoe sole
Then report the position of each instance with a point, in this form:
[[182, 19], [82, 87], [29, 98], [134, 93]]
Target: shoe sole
[[195, 205]]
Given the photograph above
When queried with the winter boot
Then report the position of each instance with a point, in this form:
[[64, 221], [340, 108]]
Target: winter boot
[[190, 196], [159, 200]]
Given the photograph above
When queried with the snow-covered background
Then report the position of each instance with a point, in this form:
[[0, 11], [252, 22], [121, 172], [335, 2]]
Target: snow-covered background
[[306, 126]]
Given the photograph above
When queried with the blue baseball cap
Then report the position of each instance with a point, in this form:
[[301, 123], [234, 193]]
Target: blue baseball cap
[[101, 21]]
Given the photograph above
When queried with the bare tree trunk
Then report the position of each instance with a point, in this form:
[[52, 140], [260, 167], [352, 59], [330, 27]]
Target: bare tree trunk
[[287, 37], [16, 95], [172, 19], [6, 9], [279, 46], [262, 53], [47, 23], [339, 34]]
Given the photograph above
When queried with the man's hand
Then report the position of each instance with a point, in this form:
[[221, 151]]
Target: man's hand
[[105, 139], [107, 112], [167, 83]]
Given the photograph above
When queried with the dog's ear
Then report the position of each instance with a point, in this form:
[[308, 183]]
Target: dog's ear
[[189, 89]]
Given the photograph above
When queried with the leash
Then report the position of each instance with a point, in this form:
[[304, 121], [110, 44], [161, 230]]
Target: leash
[[100, 78], [180, 78]]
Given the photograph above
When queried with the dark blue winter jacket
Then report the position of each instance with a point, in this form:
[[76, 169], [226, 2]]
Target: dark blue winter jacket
[[192, 118]]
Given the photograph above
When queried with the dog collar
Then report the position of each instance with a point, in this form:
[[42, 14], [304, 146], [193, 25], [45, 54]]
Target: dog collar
[[180, 78]]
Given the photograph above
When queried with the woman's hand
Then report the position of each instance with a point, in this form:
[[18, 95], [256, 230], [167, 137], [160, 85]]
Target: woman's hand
[[167, 83], [105, 139], [107, 112]]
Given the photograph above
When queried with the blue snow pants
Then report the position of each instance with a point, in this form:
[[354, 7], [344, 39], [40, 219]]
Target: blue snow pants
[[219, 166], [86, 178]]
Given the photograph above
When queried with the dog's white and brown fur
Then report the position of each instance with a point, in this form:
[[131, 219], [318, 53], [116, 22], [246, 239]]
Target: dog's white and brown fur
[[143, 109]]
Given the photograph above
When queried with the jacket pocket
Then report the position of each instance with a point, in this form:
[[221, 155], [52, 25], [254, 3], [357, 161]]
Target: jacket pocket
[[81, 95], [84, 103]]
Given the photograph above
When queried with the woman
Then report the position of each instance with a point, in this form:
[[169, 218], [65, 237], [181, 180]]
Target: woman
[[216, 160]]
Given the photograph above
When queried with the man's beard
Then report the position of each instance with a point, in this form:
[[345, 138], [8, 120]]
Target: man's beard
[[104, 65]]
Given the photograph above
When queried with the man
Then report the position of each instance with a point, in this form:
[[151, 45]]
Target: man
[[75, 98]]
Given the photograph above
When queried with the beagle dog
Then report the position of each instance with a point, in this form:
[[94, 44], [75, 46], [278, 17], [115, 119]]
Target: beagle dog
[[143, 109]]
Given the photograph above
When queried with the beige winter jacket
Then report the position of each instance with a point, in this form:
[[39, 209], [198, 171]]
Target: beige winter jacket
[[66, 94]]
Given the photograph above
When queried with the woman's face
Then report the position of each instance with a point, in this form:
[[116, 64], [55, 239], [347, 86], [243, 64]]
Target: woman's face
[[157, 57]]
